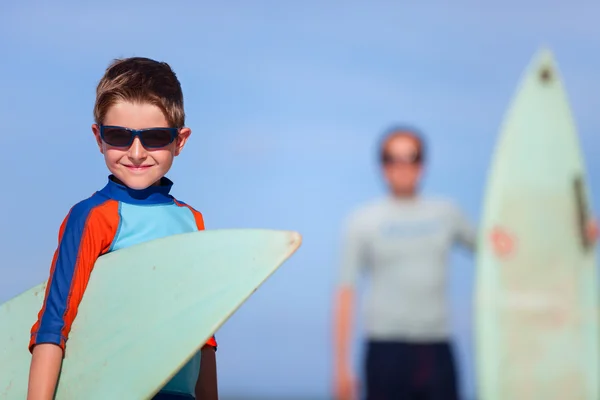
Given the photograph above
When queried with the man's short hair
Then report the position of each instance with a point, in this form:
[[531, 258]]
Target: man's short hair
[[402, 130]]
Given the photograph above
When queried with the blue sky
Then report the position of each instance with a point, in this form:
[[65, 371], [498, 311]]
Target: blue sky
[[286, 100]]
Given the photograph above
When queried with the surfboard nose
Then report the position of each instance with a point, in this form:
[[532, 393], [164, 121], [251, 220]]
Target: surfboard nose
[[544, 55], [295, 239], [543, 64]]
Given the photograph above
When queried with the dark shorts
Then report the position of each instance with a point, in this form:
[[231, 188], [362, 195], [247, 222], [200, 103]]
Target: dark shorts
[[411, 371]]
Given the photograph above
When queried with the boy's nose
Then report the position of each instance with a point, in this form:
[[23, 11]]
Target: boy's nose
[[137, 151]]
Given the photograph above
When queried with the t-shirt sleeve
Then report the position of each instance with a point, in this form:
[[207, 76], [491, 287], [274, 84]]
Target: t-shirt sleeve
[[85, 234], [353, 251], [465, 232]]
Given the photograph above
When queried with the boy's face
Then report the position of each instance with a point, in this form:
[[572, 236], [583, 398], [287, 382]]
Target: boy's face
[[136, 166]]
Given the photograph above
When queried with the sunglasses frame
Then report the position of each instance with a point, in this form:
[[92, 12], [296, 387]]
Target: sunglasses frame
[[138, 133], [386, 159]]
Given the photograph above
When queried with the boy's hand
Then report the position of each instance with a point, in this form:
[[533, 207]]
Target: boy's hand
[[206, 386]]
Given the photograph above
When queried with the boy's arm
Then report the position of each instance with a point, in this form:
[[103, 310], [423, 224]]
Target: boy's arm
[[45, 368], [206, 385], [85, 234]]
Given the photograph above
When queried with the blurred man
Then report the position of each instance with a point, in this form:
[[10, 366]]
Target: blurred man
[[402, 242]]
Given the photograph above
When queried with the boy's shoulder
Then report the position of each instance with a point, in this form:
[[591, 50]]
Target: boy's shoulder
[[182, 203], [104, 207], [93, 208], [197, 214]]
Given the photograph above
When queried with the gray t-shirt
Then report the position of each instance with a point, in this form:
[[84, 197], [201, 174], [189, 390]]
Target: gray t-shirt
[[403, 247]]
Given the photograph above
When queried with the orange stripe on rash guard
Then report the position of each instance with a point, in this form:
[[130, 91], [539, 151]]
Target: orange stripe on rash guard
[[212, 342], [86, 233], [197, 214], [200, 225], [99, 234]]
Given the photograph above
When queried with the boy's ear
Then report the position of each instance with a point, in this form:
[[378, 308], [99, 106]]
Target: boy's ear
[[184, 135], [96, 131]]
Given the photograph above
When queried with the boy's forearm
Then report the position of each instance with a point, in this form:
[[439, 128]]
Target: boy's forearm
[[44, 371], [206, 387]]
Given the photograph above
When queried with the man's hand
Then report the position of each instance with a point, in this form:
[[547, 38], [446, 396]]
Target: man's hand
[[592, 231], [503, 242], [346, 387]]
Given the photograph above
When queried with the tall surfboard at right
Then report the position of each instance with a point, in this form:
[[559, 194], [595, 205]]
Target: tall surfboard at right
[[537, 290]]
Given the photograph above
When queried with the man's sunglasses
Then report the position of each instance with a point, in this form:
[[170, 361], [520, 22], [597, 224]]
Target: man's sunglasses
[[412, 159], [151, 138]]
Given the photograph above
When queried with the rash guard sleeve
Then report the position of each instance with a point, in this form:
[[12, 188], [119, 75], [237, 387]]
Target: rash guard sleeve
[[85, 234]]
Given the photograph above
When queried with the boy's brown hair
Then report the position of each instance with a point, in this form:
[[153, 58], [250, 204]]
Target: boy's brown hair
[[141, 80]]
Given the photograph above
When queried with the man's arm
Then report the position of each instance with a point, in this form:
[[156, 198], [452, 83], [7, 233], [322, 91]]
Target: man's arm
[[343, 322], [466, 233], [352, 261], [206, 385], [83, 237]]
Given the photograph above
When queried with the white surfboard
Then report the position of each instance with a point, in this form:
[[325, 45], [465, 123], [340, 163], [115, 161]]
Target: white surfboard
[[147, 309], [536, 291]]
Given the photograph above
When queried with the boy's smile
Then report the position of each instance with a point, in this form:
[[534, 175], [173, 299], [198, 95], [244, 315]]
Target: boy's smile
[[136, 166]]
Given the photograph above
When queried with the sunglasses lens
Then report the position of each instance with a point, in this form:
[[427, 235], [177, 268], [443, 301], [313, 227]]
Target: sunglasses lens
[[157, 137], [117, 136], [410, 159]]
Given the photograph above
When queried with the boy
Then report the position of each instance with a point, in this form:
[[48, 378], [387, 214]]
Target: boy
[[139, 128]]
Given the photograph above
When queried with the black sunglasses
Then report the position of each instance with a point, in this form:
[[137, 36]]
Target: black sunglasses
[[151, 138], [411, 159]]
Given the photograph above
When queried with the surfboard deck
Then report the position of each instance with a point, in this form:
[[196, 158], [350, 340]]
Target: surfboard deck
[[536, 293], [146, 311]]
